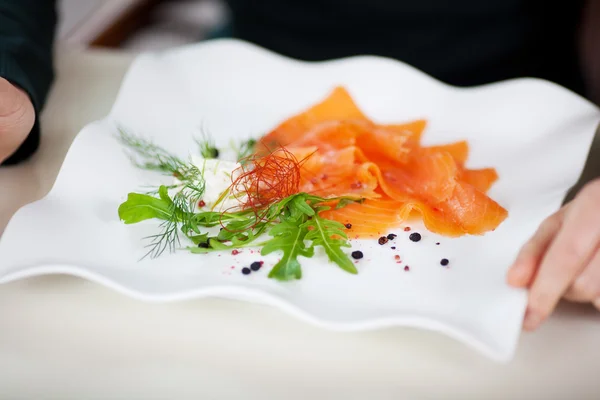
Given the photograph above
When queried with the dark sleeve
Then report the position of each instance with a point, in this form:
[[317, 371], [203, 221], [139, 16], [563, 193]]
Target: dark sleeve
[[27, 30]]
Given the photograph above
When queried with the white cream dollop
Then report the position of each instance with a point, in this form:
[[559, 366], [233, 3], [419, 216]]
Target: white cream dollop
[[217, 175]]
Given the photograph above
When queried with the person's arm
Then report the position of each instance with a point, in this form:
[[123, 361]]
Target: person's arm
[[27, 29]]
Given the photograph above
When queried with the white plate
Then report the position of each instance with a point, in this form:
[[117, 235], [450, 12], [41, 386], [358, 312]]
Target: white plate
[[535, 133]]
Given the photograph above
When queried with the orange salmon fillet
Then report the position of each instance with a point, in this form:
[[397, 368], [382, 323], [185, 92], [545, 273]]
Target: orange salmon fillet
[[344, 153]]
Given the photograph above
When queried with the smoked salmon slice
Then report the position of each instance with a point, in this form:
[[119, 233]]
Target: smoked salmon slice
[[344, 153], [338, 106]]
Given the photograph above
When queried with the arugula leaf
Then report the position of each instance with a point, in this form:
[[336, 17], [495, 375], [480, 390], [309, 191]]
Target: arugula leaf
[[330, 235], [288, 236], [197, 239], [210, 218], [163, 193], [294, 207], [236, 228], [216, 245], [299, 203], [140, 207]]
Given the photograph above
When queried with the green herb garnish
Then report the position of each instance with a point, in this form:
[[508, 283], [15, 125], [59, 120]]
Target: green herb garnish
[[147, 155], [245, 149], [206, 146], [292, 225], [288, 237]]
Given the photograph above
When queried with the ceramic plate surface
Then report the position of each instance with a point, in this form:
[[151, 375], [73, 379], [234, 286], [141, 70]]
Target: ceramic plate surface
[[536, 134]]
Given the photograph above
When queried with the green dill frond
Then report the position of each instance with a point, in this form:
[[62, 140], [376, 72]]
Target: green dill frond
[[181, 213], [146, 155], [168, 238], [194, 186], [245, 149], [206, 145]]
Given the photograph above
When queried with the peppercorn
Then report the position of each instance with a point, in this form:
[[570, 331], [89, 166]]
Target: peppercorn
[[382, 240], [255, 266], [246, 271], [415, 237], [357, 255]]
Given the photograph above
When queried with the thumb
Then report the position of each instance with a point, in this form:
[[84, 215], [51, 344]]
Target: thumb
[[17, 117]]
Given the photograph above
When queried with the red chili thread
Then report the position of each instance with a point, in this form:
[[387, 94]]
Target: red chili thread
[[267, 179]]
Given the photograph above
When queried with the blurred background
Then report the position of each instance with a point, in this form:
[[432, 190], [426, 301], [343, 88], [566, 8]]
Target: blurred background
[[139, 25]]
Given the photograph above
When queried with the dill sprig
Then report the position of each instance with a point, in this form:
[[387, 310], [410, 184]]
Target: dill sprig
[[181, 210], [168, 237], [179, 213], [146, 155], [206, 145], [174, 212], [244, 150]]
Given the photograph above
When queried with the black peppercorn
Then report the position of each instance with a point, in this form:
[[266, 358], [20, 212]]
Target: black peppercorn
[[255, 266], [415, 237], [357, 255]]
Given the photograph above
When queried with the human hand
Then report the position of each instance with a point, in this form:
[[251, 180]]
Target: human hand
[[17, 117], [562, 259]]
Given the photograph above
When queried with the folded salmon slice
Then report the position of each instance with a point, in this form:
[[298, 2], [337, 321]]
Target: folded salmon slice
[[467, 211], [344, 153], [371, 219], [336, 173], [338, 106]]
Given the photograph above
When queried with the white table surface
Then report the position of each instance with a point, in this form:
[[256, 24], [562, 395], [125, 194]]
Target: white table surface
[[63, 337]]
